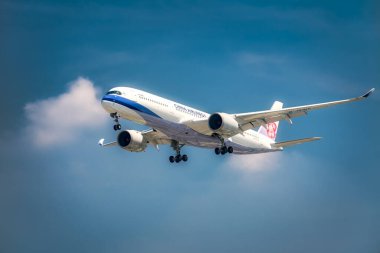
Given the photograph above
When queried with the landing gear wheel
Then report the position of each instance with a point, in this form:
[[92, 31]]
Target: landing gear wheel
[[116, 127], [177, 148], [178, 158], [223, 149]]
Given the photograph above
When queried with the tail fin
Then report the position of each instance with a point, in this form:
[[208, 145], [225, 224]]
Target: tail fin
[[270, 129]]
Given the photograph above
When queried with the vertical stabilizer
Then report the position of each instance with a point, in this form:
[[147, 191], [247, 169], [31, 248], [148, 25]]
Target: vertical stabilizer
[[270, 129]]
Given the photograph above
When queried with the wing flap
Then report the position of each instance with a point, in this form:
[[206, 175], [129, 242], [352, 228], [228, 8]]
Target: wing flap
[[293, 142]]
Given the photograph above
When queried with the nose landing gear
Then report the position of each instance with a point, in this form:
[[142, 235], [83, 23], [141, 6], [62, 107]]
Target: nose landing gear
[[116, 117]]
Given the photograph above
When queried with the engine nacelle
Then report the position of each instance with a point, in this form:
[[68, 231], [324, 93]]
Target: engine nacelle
[[132, 141], [224, 124]]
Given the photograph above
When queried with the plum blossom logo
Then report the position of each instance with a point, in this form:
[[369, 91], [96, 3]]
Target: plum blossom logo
[[271, 130]]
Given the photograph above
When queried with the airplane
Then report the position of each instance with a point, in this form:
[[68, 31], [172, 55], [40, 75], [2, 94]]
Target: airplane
[[178, 125]]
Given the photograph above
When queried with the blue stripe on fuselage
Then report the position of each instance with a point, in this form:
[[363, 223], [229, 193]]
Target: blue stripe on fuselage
[[130, 104]]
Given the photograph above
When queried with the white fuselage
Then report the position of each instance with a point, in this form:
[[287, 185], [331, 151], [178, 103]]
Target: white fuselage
[[174, 120]]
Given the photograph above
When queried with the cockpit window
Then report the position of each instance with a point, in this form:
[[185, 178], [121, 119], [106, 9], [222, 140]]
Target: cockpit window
[[116, 92]]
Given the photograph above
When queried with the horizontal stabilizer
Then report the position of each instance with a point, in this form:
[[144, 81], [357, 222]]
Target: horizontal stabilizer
[[293, 142]]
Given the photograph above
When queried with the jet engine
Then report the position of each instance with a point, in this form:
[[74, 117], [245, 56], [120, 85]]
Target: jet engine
[[223, 124], [132, 141]]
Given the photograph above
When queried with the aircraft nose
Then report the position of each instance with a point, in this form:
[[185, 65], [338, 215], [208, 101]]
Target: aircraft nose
[[107, 104], [103, 100]]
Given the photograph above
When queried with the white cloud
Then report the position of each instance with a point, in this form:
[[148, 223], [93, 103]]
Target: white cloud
[[255, 163], [61, 119], [266, 161]]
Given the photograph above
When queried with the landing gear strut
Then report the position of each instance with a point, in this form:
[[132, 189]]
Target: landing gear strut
[[116, 117], [178, 157], [223, 149]]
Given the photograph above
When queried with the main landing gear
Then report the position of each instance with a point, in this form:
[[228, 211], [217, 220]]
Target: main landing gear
[[223, 149], [178, 157], [116, 117]]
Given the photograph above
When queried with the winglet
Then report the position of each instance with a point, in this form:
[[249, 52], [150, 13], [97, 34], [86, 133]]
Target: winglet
[[101, 142], [368, 93]]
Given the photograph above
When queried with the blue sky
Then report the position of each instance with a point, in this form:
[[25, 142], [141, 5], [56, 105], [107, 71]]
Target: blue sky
[[60, 192]]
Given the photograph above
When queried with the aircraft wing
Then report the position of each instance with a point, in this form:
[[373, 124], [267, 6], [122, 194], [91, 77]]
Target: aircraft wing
[[156, 137], [109, 144], [199, 125], [153, 136], [254, 119]]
